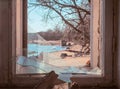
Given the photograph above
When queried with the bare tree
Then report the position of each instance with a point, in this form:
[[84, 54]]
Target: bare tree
[[74, 13]]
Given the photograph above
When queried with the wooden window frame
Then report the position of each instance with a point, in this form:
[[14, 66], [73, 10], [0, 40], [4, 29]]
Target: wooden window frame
[[84, 80]]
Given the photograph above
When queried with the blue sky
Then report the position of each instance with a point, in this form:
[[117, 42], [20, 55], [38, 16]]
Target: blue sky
[[37, 21], [37, 18]]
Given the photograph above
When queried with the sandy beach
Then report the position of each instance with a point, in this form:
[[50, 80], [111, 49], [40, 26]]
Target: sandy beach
[[54, 58]]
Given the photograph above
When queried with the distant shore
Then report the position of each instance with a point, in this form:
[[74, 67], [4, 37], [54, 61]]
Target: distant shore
[[56, 42]]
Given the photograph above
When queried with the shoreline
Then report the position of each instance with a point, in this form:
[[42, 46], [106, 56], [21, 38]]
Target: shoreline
[[52, 42]]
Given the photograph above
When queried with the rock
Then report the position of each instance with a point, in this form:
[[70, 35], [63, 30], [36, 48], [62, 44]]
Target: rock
[[63, 55]]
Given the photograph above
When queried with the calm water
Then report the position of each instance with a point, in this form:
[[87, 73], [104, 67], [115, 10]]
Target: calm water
[[43, 48]]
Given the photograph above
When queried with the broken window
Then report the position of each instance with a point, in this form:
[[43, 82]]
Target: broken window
[[75, 43], [58, 38]]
